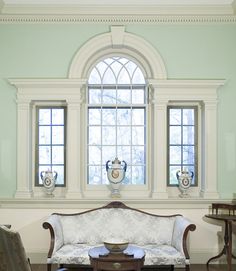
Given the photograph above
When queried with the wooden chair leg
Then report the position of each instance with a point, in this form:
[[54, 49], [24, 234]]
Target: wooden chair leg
[[49, 267], [187, 267]]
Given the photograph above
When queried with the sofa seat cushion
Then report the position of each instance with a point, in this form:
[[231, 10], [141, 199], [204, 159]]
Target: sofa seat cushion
[[162, 255], [154, 255]]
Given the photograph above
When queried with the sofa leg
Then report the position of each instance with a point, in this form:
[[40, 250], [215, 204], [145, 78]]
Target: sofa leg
[[172, 267], [187, 267], [49, 267]]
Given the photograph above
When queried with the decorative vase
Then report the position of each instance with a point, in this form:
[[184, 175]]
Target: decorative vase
[[49, 181], [184, 178], [115, 174]]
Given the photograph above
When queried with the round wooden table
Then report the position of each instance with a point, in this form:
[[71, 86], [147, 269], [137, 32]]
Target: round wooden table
[[132, 259], [227, 249]]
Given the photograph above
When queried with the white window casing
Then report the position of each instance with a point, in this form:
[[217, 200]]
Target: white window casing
[[72, 92]]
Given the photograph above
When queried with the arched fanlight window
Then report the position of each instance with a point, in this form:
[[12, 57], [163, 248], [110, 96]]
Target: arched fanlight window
[[117, 101]]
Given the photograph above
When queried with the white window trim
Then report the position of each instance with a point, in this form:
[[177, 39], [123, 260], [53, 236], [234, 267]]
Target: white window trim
[[72, 92]]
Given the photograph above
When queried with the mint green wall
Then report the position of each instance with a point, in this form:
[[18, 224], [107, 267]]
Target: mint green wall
[[189, 52]]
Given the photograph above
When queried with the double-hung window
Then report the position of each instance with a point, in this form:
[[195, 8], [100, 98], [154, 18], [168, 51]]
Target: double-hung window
[[116, 124], [182, 142], [50, 150]]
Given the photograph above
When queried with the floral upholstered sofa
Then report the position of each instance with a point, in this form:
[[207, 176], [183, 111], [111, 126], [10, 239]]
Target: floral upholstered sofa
[[163, 238]]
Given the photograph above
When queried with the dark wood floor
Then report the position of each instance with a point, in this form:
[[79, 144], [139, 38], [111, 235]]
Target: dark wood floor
[[194, 267]]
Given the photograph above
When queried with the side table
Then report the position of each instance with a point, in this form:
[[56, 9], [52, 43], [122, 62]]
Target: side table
[[227, 250], [132, 259]]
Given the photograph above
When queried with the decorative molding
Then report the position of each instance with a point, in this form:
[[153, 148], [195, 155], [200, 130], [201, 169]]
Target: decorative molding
[[131, 45], [118, 19], [62, 203]]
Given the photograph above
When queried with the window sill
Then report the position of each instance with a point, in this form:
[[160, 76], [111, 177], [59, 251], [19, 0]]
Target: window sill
[[62, 203]]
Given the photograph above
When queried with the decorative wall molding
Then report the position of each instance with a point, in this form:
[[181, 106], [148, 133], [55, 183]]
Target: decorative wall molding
[[62, 203], [118, 19]]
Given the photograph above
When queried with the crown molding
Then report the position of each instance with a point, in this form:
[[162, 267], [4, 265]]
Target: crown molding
[[119, 19], [116, 9]]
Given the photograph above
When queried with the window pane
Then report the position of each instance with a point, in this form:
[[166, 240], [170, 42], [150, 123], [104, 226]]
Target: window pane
[[188, 135], [138, 135], [175, 117], [95, 77], [109, 77], [94, 116], [57, 155], [58, 135], [44, 116], [138, 155], [44, 155], [109, 116], [138, 77], [138, 116], [94, 174], [123, 77], [175, 135], [175, 155], [108, 135], [95, 96], [109, 96], [94, 155], [188, 155], [188, 116], [138, 96], [172, 173], [60, 174], [44, 135], [104, 176], [123, 96], [123, 135], [94, 135], [123, 116], [58, 116], [138, 173]]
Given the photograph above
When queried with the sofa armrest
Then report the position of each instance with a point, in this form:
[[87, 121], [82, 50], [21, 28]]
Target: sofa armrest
[[53, 223], [182, 227]]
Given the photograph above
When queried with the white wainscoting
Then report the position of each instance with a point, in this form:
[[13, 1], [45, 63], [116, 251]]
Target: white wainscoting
[[27, 216]]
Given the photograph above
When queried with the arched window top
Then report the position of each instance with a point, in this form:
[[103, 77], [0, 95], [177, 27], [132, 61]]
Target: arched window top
[[116, 70]]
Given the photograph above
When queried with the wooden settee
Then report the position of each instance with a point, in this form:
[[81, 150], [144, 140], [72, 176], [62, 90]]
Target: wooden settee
[[163, 238]]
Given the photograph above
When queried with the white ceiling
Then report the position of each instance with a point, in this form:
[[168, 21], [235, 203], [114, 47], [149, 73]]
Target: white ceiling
[[163, 7]]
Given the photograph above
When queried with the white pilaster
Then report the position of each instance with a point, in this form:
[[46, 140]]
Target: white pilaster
[[24, 183], [73, 149], [159, 190], [209, 150]]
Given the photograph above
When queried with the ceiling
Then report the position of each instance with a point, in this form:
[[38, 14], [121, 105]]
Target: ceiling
[[121, 7]]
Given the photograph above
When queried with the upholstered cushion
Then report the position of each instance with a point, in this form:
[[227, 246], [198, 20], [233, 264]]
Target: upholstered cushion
[[154, 255], [94, 227]]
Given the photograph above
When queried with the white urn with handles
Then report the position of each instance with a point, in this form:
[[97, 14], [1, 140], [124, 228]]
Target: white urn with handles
[[49, 179], [184, 178], [115, 173]]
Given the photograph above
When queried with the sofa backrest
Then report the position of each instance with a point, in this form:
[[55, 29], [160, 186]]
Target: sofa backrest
[[98, 225]]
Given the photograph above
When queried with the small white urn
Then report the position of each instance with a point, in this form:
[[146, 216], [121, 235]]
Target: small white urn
[[115, 174], [184, 178], [49, 181]]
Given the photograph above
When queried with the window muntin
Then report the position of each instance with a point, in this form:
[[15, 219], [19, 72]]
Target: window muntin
[[50, 142], [116, 120], [182, 142]]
